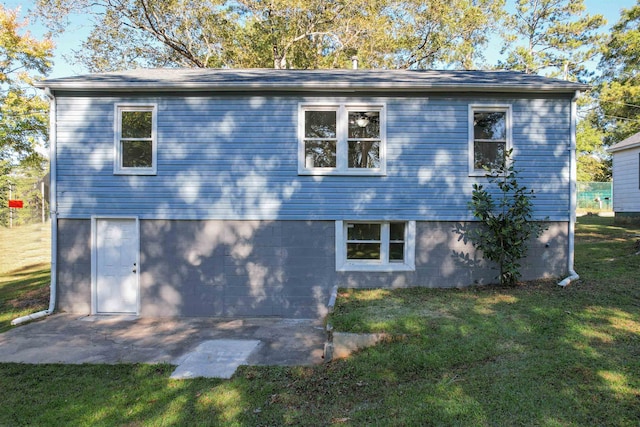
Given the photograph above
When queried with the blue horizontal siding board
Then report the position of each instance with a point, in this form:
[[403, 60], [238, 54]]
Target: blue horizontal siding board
[[236, 158]]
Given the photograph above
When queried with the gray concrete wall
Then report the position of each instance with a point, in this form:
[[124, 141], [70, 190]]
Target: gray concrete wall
[[275, 268], [236, 268], [625, 218], [443, 260], [73, 292]]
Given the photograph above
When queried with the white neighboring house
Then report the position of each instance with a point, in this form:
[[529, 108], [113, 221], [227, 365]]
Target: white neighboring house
[[626, 178]]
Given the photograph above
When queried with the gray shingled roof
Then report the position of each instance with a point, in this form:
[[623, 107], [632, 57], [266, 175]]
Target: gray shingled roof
[[192, 79], [632, 142]]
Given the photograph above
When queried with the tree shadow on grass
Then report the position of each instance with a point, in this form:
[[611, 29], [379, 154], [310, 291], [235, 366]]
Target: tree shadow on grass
[[23, 291], [536, 354]]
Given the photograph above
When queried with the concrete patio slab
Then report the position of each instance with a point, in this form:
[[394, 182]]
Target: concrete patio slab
[[73, 339], [214, 359]]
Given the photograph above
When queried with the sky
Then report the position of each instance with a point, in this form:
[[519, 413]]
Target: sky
[[78, 29]]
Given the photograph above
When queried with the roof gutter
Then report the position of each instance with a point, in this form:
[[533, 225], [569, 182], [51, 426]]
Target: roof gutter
[[573, 276], [615, 149], [53, 208], [394, 87]]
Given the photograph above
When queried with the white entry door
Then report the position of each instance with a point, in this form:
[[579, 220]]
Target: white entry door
[[116, 269]]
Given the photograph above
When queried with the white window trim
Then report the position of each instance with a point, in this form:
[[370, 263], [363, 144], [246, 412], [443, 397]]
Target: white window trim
[[342, 114], [409, 264], [491, 108], [117, 132]]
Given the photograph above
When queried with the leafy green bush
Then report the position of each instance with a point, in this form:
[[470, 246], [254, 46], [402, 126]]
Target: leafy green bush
[[506, 224]]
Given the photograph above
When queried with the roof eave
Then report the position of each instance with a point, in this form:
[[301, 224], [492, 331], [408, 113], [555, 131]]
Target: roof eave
[[629, 143], [615, 149], [296, 87]]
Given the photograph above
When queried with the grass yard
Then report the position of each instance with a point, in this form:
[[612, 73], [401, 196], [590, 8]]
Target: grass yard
[[25, 267], [536, 354]]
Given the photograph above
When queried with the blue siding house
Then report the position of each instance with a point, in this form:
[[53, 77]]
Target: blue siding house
[[201, 192]]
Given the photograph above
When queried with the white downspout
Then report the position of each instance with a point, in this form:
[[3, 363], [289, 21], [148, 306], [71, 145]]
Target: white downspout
[[53, 208], [573, 276]]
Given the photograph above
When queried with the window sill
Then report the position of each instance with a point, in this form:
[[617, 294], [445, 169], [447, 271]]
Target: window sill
[[135, 172], [376, 267], [482, 174], [319, 172]]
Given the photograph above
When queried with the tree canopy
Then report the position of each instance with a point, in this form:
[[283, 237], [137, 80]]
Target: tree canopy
[[619, 90], [303, 34], [23, 113], [552, 35]]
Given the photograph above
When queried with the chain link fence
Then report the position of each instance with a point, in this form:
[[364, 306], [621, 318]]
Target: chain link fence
[[595, 196], [31, 193]]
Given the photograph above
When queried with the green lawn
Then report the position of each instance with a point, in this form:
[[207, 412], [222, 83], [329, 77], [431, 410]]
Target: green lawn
[[25, 267], [536, 354]]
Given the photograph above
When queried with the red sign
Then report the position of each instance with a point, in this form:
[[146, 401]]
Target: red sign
[[15, 203]]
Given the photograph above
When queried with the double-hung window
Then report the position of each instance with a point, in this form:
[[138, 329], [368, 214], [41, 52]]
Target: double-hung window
[[135, 140], [375, 246], [341, 139], [489, 137]]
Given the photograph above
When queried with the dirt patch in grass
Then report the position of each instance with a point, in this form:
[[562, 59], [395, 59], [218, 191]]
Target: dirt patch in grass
[[30, 299]]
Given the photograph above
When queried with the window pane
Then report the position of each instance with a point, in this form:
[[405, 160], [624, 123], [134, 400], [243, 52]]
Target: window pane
[[363, 231], [136, 124], [363, 251], [320, 154], [396, 252], [320, 124], [489, 154], [137, 154], [490, 125], [396, 231], [364, 154], [364, 124]]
